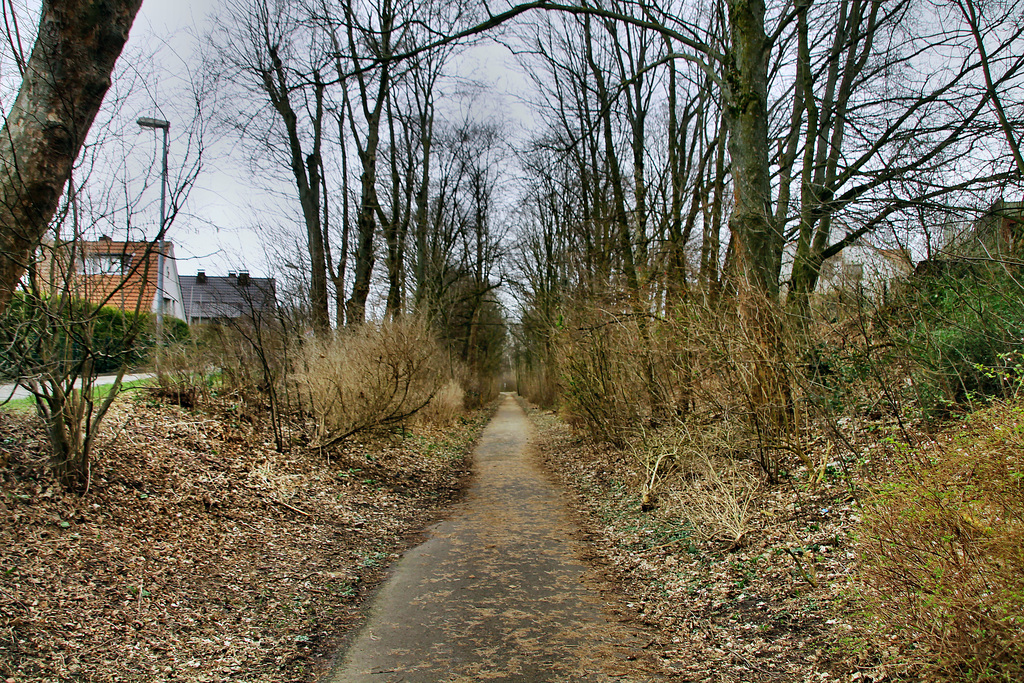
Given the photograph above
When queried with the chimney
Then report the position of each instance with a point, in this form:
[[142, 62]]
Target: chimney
[[105, 238], [243, 278], [231, 275], [200, 277]]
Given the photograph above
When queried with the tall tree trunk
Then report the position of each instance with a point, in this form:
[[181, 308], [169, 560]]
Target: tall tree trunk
[[619, 214], [422, 220], [338, 274], [306, 172], [854, 34], [65, 80], [355, 309], [758, 242], [711, 244]]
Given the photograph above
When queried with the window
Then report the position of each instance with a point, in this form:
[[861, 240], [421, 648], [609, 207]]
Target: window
[[104, 264]]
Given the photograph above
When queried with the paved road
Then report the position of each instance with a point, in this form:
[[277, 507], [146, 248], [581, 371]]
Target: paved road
[[498, 592], [10, 392]]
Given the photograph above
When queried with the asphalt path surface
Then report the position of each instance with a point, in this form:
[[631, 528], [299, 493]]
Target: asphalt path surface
[[11, 391], [498, 592]]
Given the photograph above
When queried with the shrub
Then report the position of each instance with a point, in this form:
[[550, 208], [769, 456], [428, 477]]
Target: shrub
[[693, 468], [959, 329], [56, 346], [601, 390], [446, 406], [719, 502], [185, 374], [943, 552], [377, 374], [50, 332], [620, 372]]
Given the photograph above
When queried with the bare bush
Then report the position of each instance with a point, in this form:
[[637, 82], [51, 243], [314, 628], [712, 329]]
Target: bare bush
[[185, 375], [601, 391], [374, 375], [623, 371], [658, 455], [446, 405], [693, 469]]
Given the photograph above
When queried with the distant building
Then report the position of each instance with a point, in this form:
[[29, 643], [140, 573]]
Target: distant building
[[864, 268], [125, 275], [214, 299], [998, 233]]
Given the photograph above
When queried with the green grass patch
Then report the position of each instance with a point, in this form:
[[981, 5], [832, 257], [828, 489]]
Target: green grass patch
[[28, 404]]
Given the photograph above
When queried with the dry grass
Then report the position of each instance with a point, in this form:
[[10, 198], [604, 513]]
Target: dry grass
[[691, 469], [719, 503]]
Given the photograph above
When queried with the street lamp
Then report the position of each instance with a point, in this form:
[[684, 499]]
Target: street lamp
[[146, 122]]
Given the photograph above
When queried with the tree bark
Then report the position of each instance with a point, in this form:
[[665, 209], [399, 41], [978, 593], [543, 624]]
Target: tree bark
[[759, 243], [355, 309], [757, 240], [65, 80]]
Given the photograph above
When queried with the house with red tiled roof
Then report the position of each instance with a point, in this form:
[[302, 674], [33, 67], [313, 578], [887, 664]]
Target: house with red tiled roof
[[126, 275]]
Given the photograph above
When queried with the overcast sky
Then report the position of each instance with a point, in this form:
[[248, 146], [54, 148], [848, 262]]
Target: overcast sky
[[215, 231]]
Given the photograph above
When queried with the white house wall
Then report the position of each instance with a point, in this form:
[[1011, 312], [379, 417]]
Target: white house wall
[[173, 306]]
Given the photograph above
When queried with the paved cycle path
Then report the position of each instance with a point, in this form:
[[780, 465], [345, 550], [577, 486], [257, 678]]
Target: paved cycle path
[[497, 592]]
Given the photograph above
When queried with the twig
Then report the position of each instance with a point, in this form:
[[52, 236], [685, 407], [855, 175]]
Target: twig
[[295, 578], [279, 502], [808, 577], [293, 509], [246, 524], [749, 663]]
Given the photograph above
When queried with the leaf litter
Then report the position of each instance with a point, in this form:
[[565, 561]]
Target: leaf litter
[[199, 553]]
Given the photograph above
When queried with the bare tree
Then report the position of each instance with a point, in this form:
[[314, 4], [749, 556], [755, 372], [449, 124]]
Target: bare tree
[[264, 52], [64, 328]]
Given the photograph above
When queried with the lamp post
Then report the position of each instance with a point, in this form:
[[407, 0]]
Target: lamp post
[[146, 122]]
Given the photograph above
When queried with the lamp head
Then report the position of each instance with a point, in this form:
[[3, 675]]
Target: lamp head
[[147, 122]]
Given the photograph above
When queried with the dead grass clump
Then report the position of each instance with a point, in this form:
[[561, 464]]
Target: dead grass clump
[[692, 469], [718, 502], [660, 454], [184, 375], [943, 552], [446, 406], [376, 375]]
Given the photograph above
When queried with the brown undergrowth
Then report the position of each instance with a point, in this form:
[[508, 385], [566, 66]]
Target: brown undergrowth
[[199, 553], [754, 601], [942, 551]]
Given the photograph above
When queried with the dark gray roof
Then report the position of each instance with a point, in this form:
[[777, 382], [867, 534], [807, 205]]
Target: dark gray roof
[[208, 297]]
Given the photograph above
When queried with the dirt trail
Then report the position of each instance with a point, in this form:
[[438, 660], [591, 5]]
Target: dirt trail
[[498, 592]]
